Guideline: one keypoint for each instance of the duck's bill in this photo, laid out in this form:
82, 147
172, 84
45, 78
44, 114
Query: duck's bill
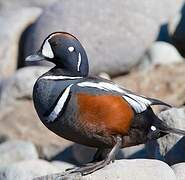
34, 57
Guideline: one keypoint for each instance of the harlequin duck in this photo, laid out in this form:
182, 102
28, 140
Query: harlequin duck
90, 110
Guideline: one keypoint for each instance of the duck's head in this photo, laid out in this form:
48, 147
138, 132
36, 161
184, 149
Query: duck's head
65, 51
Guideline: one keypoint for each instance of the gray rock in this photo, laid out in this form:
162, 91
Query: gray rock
14, 4
170, 148
27, 170
125, 169
179, 170
160, 53
16, 150
12, 24
115, 35
20, 85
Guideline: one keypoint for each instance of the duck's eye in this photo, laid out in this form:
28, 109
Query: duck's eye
71, 49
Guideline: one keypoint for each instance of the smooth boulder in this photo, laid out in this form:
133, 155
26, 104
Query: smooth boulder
123, 169
179, 170
115, 35
27, 170
17, 150
160, 53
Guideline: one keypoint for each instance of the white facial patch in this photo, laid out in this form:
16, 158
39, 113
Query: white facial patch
71, 49
79, 61
153, 128
46, 50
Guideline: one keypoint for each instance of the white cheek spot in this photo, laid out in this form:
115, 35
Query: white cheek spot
71, 49
46, 50
79, 62
153, 128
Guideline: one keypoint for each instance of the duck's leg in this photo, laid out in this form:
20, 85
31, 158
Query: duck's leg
100, 155
91, 167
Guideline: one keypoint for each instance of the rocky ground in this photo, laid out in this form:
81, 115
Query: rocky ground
133, 45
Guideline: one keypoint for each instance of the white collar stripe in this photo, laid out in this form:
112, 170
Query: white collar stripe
60, 77
60, 105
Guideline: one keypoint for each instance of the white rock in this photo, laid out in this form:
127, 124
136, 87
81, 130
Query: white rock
179, 170
140, 169
62, 165
161, 53
27, 170
16, 150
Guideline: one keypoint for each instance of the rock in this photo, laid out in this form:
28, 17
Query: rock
62, 165
170, 148
20, 85
13, 23
25, 117
179, 170
27, 170
125, 169
170, 88
109, 34
143, 169
17, 150
9, 4
160, 53
18, 117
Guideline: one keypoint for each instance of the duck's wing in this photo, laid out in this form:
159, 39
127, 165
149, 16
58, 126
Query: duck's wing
138, 103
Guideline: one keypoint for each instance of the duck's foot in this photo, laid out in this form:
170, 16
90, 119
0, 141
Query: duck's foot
91, 167
88, 168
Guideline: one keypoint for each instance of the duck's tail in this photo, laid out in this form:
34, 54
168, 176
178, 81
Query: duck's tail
158, 102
